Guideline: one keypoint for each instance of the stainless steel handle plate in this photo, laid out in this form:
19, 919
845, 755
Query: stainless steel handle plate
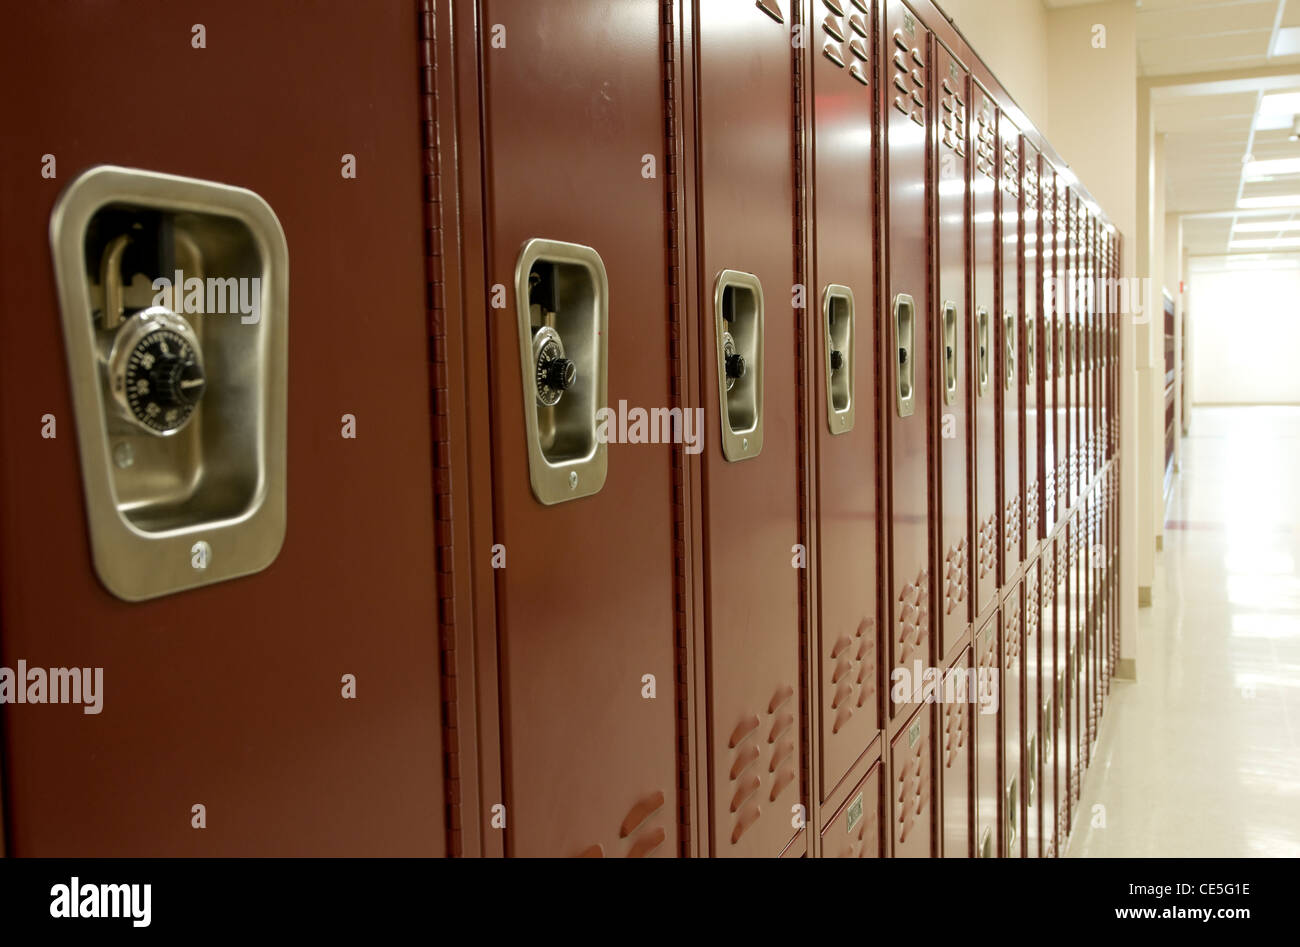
738, 329
174, 297
905, 367
562, 310
838, 319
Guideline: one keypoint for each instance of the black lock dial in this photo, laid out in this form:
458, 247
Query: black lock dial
156, 370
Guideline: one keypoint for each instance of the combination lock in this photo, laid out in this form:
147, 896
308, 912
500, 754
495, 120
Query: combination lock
556, 374
155, 370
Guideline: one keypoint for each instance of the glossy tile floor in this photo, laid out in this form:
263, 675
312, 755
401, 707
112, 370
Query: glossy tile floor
1201, 756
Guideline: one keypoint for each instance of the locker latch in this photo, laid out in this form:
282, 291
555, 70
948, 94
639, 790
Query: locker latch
174, 300
904, 337
1009, 346
982, 356
950, 336
838, 317
1030, 350
738, 328
562, 309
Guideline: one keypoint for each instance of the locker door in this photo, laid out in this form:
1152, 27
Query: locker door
1061, 695
1074, 388
1031, 348
1061, 347
987, 711
951, 360
845, 419
983, 330
854, 831
1048, 376
1010, 350
956, 744
908, 323
585, 601
1047, 701
230, 695
1013, 784
1033, 663
1089, 375
745, 185
911, 804
1075, 679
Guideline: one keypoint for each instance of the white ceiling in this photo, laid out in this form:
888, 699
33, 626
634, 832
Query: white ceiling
1210, 131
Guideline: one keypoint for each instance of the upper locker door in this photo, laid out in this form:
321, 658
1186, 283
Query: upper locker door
1061, 306
584, 527
1046, 275
227, 695
984, 318
748, 340
1074, 281
845, 418
908, 325
1010, 364
1031, 348
952, 338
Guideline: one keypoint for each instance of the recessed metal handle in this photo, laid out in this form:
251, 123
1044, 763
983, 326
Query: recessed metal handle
738, 328
1047, 350
950, 352
562, 310
839, 322
982, 356
904, 337
1009, 349
1030, 351
174, 299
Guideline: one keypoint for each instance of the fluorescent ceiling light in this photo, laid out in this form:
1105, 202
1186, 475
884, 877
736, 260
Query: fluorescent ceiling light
1263, 169
1277, 111
1269, 244
1281, 200
1266, 226
1286, 42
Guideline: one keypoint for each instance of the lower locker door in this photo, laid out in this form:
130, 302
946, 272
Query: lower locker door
854, 832
911, 788
956, 753
987, 714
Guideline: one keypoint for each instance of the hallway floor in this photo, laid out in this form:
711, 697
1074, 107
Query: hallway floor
1201, 756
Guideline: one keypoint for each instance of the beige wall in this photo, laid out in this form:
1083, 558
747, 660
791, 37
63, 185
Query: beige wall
1011, 37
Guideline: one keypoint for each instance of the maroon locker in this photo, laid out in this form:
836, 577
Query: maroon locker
956, 748
845, 412
983, 330
1009, 361
1012, 784
854, 831
1075, 677
581, 620
1061, 304
1044, 275
1075, 277
1061, 695
1032, 660
1031, 352
1047, 672
1086, 347
987, 711
228, 696
912, 785
745, 195
908, 323
950, 362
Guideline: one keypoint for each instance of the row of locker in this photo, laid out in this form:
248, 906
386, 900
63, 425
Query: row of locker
851, 256
704, 388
